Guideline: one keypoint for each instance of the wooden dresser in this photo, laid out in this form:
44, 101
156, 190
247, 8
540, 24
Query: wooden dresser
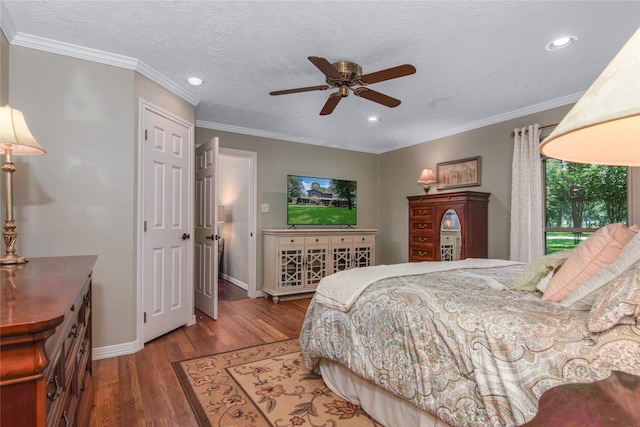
45, 342
426, 213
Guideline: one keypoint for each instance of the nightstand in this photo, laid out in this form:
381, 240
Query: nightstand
612, 402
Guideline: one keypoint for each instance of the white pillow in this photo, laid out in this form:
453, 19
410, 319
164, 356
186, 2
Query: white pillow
583, 297
542, 284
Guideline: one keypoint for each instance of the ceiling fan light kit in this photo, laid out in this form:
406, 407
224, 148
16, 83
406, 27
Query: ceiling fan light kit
344, 75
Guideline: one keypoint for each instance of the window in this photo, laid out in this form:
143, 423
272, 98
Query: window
580, 199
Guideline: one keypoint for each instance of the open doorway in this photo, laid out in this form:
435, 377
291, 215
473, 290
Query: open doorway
237, 171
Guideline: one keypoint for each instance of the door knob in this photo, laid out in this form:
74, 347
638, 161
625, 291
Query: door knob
185, 236
212, 237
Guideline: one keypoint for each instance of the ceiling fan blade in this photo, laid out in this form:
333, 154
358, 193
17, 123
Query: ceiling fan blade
326, 67
388, 74
300, 89
378, 97
331, 104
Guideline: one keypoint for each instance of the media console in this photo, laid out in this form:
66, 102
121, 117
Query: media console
296, 260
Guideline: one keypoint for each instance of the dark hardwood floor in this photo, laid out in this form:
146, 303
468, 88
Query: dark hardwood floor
142, 389
227, 291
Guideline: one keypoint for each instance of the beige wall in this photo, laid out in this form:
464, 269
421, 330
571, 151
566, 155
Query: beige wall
79, 198
278, 158
399, 170
4, 69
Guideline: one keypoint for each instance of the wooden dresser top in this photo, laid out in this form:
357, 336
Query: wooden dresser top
36, 295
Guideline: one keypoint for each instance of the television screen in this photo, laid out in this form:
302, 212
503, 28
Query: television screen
320, 201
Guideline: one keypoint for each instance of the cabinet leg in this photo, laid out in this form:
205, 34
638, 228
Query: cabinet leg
276, 299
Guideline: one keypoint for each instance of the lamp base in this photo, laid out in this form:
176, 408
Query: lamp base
11, 259
426, 188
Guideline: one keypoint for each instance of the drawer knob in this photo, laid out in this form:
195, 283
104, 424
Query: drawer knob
421, 253
422, 239
421, 225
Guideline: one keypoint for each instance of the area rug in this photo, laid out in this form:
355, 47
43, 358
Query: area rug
267, 385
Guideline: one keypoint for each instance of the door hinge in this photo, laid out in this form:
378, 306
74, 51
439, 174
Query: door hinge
146, 134
145, 317
145, 226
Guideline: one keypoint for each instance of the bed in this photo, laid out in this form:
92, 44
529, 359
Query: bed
475, 342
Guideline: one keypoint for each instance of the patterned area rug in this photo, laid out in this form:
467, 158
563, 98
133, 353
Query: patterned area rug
267, 385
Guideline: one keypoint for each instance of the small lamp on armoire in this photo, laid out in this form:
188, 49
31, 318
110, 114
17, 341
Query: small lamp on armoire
15, 140
426, 178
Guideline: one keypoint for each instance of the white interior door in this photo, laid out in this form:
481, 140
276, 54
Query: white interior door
207, 237
166, 251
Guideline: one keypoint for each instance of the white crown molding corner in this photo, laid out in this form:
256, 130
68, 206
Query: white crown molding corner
166, 83
106, 352
102, 57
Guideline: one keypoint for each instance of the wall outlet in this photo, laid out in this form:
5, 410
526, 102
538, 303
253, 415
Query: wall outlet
264, 207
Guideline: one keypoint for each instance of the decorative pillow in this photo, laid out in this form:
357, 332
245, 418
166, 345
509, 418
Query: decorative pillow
585, 295
542, 284
600, 249
537, 269
619, 302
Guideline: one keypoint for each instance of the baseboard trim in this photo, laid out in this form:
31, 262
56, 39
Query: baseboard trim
106, 352
235, 281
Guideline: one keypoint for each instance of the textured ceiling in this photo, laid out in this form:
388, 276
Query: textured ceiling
478, 62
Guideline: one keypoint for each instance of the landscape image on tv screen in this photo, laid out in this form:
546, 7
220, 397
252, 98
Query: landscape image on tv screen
320, 201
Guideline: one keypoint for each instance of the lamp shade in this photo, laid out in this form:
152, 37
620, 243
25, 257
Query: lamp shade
426, 177
603, 127
15, 136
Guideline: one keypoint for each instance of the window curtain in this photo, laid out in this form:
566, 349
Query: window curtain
527, 203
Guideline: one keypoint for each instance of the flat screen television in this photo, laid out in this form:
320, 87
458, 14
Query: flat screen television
321, 201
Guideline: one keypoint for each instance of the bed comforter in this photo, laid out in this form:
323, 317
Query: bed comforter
463, 348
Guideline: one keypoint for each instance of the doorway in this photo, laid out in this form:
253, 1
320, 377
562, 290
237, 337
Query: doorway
165, 259
237, 183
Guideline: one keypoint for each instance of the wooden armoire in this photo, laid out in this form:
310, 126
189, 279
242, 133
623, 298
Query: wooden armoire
427, 231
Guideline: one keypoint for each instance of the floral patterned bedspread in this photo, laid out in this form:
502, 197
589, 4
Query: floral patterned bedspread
464, 351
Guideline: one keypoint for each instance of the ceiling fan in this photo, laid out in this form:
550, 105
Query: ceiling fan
344, 75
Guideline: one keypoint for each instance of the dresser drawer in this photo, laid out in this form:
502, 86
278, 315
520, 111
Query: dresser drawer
421, 212
426, 226
312, 240
417, 240
336, 240
421, 253
291, 240
364, 239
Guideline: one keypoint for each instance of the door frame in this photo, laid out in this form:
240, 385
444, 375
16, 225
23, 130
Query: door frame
143, 106
252, 216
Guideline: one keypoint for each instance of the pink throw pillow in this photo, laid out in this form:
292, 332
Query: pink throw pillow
599, 250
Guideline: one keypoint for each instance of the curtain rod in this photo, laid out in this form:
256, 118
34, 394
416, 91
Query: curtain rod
541, 127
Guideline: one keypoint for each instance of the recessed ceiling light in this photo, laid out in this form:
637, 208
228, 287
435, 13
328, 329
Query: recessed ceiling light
373, 119
561, 43
195, 81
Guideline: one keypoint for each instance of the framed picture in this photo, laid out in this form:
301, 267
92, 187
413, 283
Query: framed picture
459, 173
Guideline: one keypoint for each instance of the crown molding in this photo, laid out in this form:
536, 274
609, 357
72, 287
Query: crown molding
273, 135
102, 57
515, 114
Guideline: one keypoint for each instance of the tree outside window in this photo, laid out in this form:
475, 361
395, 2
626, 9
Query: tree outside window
580, 199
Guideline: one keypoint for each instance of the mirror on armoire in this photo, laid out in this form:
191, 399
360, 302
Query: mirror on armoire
450, 236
